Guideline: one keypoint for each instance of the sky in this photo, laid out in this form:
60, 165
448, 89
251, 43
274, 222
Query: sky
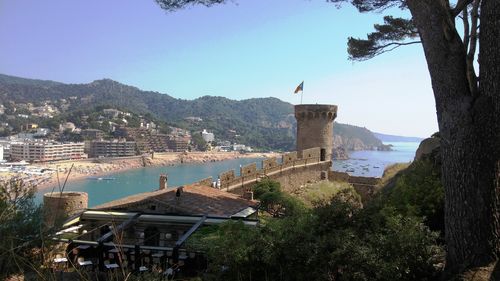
240, 50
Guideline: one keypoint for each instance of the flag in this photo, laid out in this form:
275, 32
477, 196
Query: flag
300, 88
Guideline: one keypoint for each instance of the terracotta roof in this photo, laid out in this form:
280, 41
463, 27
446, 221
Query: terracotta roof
194, 200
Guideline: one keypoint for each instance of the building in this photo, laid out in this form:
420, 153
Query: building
92, 134
29, 126
146, 140
111, 112
111, 148
178, 144
148, 231
43, 151
68, 126
208, 137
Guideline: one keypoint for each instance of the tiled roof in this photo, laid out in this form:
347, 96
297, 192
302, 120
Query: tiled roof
194, 200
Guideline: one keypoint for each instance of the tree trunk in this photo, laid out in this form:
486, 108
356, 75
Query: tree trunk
469, 129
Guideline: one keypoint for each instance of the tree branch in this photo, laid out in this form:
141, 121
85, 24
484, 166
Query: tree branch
471, 72
461, 5
378, 50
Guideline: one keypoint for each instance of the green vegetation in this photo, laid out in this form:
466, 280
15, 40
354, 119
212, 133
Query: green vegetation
20, 227
335, 239
418, 191
363, 134
321, 192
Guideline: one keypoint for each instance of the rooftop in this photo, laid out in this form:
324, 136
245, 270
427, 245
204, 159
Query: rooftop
193, 200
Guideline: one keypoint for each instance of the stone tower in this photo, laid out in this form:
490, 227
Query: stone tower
60, 205
315, 127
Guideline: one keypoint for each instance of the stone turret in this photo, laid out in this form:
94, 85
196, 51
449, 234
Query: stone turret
60, 205
315, 128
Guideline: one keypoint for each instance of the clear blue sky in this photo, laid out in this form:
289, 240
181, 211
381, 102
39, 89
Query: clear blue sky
246, 49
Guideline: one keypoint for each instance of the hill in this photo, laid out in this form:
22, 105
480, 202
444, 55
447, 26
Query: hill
393, 138
266, 123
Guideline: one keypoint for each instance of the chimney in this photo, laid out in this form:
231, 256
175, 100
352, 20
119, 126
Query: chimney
248, 194
163, 181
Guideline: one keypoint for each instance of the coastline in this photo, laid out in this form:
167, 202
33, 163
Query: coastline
83, 169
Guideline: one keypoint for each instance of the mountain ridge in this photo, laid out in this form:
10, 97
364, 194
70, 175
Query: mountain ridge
267, 123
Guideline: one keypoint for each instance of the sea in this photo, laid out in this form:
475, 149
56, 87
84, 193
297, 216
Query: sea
361, 163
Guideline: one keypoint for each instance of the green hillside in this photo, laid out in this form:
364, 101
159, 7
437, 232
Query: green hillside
266, 123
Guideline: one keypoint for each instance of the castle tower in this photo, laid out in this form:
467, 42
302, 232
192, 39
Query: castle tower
61, 205
315, 127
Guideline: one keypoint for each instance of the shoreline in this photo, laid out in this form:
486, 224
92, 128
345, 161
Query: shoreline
83, 169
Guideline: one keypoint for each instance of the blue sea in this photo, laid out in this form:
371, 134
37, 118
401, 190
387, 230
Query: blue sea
362, 163
369, 163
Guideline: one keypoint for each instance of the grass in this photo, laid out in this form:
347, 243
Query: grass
320, 191
390, 172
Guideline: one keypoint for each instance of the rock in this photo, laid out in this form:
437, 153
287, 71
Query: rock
426, 147
339, 153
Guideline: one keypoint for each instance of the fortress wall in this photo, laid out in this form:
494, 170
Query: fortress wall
338, 176
311, 153
205, 182
364, 186
249, 170
226, 178
270, 165
292, 178
287, 159
364, 180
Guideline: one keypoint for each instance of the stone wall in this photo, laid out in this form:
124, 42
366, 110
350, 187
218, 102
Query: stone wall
60, 205
226, 178
364, 186
270, 165
205, 182
249, 170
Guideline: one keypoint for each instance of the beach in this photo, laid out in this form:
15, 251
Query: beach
57, 173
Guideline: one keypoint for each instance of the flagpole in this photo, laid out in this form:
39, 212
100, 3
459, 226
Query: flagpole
301, 95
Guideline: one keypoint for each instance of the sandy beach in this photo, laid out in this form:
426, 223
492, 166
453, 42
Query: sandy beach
102, 167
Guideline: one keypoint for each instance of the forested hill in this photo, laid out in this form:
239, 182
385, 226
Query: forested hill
266, 123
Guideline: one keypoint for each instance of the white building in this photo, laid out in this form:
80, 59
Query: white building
208, 137
42, 151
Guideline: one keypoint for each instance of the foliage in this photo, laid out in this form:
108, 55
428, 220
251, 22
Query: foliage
319, 192
199, 142
274, 201
418, 191
361, 133
264, 186
336, 240
20, 226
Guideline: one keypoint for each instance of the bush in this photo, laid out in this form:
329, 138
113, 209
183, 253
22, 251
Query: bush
20, 227
334, 241
418, 191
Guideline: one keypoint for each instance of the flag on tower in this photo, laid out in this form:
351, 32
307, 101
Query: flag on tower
300, 88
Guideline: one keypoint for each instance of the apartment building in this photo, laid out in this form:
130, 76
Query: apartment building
43, 151
112, 148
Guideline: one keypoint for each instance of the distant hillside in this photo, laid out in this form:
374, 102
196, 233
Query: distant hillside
266, 123
393, 138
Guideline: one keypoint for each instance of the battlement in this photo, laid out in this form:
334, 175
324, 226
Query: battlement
271, 165
315, 111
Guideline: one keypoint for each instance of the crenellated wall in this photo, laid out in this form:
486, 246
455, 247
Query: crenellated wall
292, 171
